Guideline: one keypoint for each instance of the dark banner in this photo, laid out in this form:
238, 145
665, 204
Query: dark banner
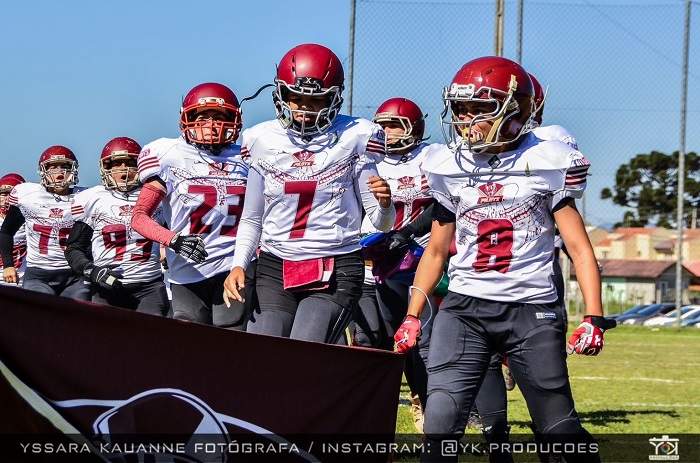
89, 382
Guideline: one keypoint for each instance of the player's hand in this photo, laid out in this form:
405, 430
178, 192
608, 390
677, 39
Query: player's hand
381, 190
106, 277
587, 339
408, 334
190, 247
234, 284
10, 275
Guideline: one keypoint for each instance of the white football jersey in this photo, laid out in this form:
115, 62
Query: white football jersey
409, 188
204, 196
48, 222
114, 242
306, 195
19, 252
503, 206
555, 132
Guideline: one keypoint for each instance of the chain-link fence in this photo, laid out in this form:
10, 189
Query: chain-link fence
614, 70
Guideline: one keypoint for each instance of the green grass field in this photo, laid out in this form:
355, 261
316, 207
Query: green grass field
646, 381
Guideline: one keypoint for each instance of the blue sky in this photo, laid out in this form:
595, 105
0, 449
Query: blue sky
80, 73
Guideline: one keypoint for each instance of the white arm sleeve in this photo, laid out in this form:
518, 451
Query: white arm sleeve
250, 225
382, 219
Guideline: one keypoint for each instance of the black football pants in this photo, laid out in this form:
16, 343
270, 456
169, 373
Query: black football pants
465, 333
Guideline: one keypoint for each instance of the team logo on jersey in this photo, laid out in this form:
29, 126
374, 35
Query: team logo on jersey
490, 193
218, 169
56, 213
303, 159
126, 210
144, 153
406, 182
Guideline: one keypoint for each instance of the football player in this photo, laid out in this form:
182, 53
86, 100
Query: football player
200, 178
404, 125
122, 265
19, 249
491, 400
500, 192
313, 172
45, 208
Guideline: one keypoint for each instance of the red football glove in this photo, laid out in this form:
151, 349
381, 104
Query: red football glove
588, 337
407, 335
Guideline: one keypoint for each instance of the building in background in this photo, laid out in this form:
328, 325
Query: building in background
639, 267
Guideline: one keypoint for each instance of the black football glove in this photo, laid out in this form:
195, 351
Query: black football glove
400, 239
190, 247
103, 276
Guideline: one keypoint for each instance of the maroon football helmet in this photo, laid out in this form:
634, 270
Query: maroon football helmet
501, 85
313, 70
540, 96
210, 134
116, 150
406, 113
7, 183
58, 155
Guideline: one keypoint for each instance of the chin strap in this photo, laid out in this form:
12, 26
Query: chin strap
497, 123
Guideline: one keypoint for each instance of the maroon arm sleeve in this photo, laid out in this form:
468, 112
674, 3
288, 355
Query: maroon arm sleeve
141, 221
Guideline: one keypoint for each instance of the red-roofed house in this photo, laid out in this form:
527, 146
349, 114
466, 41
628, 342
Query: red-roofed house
639, 265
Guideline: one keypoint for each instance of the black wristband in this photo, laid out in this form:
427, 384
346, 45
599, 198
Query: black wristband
601, 322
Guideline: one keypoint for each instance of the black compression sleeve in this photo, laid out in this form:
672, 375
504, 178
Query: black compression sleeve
442, 214
78, 247
13, 221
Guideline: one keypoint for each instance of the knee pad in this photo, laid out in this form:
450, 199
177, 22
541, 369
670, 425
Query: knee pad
183, 315
360, 338
441, 415
568, 428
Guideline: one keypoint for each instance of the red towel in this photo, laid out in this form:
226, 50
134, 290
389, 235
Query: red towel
307, 275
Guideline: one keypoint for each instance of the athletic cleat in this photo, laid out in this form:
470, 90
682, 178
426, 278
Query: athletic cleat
508, 378
416, 412
474, 421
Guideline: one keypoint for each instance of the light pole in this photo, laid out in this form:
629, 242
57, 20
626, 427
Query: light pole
498, 39
681, 169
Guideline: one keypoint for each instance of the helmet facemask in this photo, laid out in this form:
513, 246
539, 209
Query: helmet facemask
306, 86
48, 176
401, 142
505, 116
112, 175
5, 198
211, 133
